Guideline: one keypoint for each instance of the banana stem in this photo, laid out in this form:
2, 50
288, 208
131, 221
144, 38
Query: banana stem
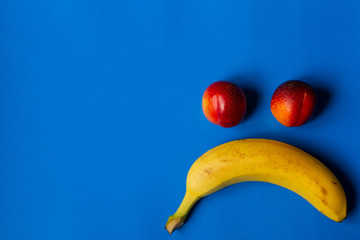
177, 220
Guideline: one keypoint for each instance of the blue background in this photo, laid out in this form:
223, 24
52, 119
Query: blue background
100, 114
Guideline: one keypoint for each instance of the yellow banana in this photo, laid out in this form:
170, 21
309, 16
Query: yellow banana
266, 161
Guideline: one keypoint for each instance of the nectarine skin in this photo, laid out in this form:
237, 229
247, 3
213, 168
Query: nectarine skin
293, 103
224, 104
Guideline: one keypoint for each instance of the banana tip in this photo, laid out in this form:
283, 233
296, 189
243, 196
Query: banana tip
173, 223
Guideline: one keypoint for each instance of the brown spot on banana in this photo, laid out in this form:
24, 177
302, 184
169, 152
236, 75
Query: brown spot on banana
208, 171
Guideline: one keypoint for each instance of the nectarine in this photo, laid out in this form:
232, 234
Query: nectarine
224, 104
293, 103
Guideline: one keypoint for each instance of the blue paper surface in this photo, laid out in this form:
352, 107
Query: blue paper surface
101, 118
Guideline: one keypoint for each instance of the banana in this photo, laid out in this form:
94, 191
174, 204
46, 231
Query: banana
265, 161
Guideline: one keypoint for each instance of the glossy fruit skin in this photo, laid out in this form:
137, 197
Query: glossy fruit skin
293, 103
224, 104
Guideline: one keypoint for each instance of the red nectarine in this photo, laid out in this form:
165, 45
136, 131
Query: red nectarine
224, 104
293, 103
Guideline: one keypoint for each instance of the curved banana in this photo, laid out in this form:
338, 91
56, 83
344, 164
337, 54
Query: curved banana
266, 161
